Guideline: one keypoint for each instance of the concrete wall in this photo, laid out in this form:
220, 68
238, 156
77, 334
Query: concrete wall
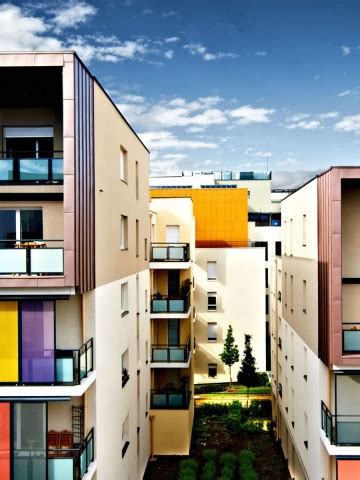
240, 288
69, 329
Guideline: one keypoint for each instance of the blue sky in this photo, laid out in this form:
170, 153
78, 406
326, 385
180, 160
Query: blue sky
216, 85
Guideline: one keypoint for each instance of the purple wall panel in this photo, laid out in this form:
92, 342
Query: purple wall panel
38, 341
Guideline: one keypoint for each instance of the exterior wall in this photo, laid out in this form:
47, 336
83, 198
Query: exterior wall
215, 210
240, 288
114, 197
69, 328
259, 198
114, 335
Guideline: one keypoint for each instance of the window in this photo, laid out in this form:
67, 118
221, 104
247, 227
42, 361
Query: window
291, 293
146, 300
137, 238
304, 296
146, 404
124, 232
211, 270
125, 435
212, 370
212, 331
123, 164
146, 248
211, 301
147, 352
266, 277
137, 179
304, 230
267, 304
172, 234
20, 225
124, 299
125, 367
278, 249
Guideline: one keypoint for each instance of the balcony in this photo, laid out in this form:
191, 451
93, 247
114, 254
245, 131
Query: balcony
351, 338
162, 304
170, 256
165, 356
72, 366
340, 429
170, 399
18, 170
70, 463
31, 257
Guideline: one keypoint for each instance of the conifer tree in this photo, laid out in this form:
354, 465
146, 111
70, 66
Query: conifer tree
230, 354
247, 375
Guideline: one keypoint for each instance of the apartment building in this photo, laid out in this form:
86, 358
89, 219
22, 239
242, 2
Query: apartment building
74, 277
172, 325
315, 329
229, 273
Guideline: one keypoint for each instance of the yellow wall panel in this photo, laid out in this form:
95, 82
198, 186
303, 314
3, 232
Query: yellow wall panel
9, 342
221, 215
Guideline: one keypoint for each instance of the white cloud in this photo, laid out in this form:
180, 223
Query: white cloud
169, 14
172, 39
324, 116
304, 125
198, 49
175, 156
169, 54
164, 139
349, 123
73, 14
133, 98
263, 154
345, 50
20, 31
248, 114
352, 91
288, 161
261, 54
298, 117
195, 129
147, 11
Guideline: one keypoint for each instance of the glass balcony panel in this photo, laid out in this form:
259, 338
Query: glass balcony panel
47, 260
89, 359
12, 261
57, 169
61, 469
160, 354
351, 340
159, 400
83, 365
176, 253
176, 399
159, 253
65, 370
90, 451
83, 465
348, 430
34, 169
159, 306
177, 355
6, 170
176, 305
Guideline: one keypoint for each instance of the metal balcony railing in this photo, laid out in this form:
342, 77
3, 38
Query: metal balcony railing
170, 353
173, 304
30, 168
351, 337
72, 463
170, 252
31, 257
74, 365
340, 429
170, 399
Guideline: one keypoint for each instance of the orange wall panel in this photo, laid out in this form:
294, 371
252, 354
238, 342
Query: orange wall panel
221, 215
5, 441
348, 469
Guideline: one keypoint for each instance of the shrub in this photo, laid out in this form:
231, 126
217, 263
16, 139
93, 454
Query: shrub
260, 408
211, 388
228, 459
263, 379
250, 476
213, 409
187, 474
228, 470
246, 456
209, 471
189, 463
209, 455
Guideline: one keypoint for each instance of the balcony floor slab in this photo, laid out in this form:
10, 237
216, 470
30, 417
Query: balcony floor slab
171, 364
170, 265
171, 315
336, 449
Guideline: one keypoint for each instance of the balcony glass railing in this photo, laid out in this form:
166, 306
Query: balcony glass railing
71, 463
170, 252
340, 429
18, 169
31, 257
351, 337
164, 304
169, 354
170, 399
74, 365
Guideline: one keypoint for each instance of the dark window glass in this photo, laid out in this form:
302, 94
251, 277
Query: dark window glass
278, 249
267, 304
31, 224
212, 369
266, 277
276, 220
7, 227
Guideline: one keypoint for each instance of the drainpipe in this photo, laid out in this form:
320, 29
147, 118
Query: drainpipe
152, 418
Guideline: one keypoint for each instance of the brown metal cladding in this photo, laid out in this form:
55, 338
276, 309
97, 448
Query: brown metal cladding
84, 179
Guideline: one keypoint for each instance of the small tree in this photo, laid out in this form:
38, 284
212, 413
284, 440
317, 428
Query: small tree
230, 354
247, 375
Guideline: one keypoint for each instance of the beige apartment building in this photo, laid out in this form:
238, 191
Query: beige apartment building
74, 277
315, 329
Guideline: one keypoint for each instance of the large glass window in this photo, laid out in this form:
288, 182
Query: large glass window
38, 342
7, 227
9, 371
29, 441
20, 225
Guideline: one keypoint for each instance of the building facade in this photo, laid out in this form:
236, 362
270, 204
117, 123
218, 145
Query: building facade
315, 342
74, 277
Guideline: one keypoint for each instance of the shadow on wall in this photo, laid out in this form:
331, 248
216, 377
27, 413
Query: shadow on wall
201, 299
203, 357
219, 257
